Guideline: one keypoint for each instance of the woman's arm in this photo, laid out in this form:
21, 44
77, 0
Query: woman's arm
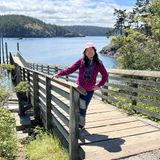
69, 70
104, 74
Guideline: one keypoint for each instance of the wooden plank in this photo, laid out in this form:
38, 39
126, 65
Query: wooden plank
138, 99
60, 115
132, 89
60, 103
60, 127
137, 81
140, 73
147, 112
103, 116
60, 91
42, 96
41, 80
43, 90
115, 127
113, 121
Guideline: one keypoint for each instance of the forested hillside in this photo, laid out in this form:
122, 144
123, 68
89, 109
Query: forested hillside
89, 30
24, 26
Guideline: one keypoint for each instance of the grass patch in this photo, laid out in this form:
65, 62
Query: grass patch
46, 146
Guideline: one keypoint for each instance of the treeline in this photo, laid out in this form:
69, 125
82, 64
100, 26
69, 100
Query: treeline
89, 30
24, 26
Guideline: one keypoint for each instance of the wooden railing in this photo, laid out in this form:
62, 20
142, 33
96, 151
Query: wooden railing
134, 90
53, 99
56, 103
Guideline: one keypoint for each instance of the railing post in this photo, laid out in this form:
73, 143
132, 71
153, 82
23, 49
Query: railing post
23, 74
48, 104
17, 47
3, 51
48, 69
6, 48
105, 94
42, 68
18, 74
28, 79
67, 78
73, 125
56, 69
35, 97
133, 101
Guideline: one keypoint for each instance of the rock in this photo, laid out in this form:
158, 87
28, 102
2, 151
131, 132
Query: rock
111, 50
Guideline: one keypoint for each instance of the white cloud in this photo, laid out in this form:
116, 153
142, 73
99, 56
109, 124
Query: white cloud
65, 12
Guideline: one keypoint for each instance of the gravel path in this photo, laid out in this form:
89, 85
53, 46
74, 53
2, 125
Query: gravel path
152, 155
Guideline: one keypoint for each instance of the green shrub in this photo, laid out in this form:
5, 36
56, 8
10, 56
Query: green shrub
8, 141
4, 94
22, 87
7, 67
46, 147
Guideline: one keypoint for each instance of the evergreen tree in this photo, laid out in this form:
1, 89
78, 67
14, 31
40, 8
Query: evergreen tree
140, 46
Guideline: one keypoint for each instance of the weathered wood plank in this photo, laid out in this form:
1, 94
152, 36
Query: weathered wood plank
60, 91
60, 127
147, 112
132, 89
113, 121
60, 103
140, 73
137, 81
63, 118
116, 127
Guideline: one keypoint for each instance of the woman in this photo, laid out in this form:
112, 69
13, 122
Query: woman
88, 66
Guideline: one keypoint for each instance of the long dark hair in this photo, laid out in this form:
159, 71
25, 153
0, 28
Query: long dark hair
95, 58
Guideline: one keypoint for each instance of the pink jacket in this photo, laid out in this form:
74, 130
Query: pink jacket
88, 85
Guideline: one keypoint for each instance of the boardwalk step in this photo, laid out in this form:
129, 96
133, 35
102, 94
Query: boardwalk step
22, 122
22, 135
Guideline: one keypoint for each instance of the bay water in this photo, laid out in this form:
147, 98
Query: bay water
59, 50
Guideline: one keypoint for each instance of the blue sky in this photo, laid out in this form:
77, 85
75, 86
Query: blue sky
68, 12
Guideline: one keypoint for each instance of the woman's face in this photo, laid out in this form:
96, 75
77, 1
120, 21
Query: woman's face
90, 53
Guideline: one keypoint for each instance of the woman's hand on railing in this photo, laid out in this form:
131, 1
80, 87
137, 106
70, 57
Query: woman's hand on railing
55, 76
96, 88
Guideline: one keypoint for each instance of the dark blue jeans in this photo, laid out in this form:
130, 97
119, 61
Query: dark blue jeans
87, 99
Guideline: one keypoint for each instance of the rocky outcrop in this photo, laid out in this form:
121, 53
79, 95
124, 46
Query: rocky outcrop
111, 50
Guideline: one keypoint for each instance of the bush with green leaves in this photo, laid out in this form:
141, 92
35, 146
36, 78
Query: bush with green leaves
8, 141
7, 67
4, 94
22, 87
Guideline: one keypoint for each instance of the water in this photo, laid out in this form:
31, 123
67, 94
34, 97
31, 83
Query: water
63, 51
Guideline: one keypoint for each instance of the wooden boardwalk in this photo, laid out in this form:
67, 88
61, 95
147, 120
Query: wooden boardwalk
112, 134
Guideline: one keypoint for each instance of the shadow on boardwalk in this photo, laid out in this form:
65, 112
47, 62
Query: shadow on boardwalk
100, 140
